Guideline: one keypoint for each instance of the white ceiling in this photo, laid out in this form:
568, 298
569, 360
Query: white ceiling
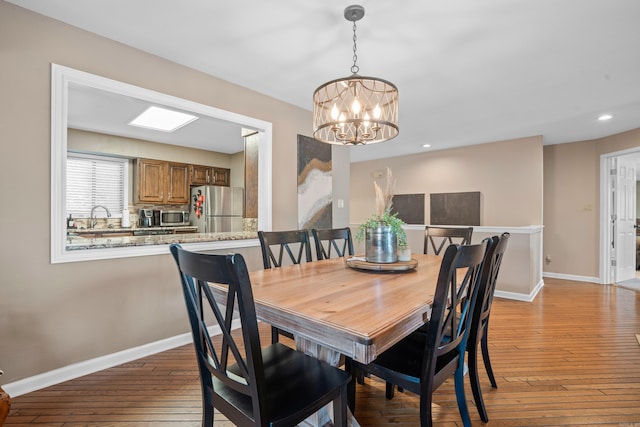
468, 71
106, 112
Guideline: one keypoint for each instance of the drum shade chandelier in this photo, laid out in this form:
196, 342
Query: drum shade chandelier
355, 110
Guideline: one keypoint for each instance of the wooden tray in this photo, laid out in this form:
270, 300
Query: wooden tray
361, 264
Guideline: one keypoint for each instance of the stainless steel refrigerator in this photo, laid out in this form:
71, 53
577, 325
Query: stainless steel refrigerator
216, 209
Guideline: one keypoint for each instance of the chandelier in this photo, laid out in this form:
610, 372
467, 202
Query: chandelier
355, 110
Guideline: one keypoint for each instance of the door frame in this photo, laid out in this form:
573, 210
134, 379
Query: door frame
607, 208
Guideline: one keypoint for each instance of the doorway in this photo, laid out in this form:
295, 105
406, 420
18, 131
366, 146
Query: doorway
618, 217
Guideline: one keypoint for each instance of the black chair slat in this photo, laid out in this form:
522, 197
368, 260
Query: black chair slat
244, 381
332, 237
438, 237
282, 240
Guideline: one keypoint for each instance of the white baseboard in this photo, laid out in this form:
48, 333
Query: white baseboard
521, 297
572, 277
90, 366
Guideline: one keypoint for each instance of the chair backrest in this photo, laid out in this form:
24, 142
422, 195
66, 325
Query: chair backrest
285, 241
197, 270
338, 239
487, 285
452, 306
439, 238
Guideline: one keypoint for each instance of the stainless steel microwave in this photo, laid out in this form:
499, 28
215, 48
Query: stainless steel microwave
170, 218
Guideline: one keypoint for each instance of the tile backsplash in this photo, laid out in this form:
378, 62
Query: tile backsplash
249, 224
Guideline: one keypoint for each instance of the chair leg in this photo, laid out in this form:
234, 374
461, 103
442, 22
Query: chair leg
484, 343
351, 386
274, 335
475, 382
207, 397
389, 390
460, 397
340, 409
207, 414
426, 415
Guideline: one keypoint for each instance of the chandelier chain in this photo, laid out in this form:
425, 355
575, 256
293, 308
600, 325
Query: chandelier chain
354, 67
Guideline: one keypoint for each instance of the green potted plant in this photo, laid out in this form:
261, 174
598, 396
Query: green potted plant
382, 231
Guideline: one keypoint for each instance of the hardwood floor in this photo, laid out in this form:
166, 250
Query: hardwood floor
570, 358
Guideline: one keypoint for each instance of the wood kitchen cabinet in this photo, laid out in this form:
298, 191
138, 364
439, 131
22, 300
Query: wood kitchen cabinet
221, 176
209, 175
159, 181
177, 183
200, 175
150, 180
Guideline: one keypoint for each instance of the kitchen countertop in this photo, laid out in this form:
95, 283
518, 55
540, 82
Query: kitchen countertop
80, 243
73, 231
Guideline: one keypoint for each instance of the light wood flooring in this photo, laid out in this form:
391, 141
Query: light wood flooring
569, 358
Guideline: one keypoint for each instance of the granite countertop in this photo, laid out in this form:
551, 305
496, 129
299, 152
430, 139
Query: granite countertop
80, 243
73, 231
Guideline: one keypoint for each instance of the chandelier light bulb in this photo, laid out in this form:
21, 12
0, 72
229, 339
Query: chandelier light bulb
355, 107
334, 112
377, 112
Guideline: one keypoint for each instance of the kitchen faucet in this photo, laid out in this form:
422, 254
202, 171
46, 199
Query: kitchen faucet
94, 221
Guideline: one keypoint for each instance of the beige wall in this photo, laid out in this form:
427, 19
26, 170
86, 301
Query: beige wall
572, 202
508, 175
571, 208
236, 164
130, 147
54, 315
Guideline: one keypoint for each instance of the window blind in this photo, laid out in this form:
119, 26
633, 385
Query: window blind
96, 180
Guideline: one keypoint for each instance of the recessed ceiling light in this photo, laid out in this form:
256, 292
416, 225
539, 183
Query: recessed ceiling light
426, 145
604, 117
161, 119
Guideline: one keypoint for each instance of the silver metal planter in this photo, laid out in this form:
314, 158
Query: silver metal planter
381, 244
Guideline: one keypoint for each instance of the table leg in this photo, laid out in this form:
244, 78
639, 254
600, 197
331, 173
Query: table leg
324, 415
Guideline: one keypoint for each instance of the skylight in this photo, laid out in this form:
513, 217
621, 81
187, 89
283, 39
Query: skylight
161, 119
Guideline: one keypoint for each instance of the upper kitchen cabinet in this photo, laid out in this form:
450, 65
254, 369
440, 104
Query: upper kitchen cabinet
208, 175
221, 176
200, 175
177, 183
162, 182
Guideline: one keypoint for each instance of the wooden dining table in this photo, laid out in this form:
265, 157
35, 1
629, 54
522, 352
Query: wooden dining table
354, 312
333, 309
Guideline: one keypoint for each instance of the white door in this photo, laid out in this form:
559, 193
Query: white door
624, 246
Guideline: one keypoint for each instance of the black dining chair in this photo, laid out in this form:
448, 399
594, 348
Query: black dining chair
480, 320
250, 385
337, 239
295, 243
421, 362
438, 238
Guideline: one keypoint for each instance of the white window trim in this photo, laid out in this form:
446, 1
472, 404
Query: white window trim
61, 77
